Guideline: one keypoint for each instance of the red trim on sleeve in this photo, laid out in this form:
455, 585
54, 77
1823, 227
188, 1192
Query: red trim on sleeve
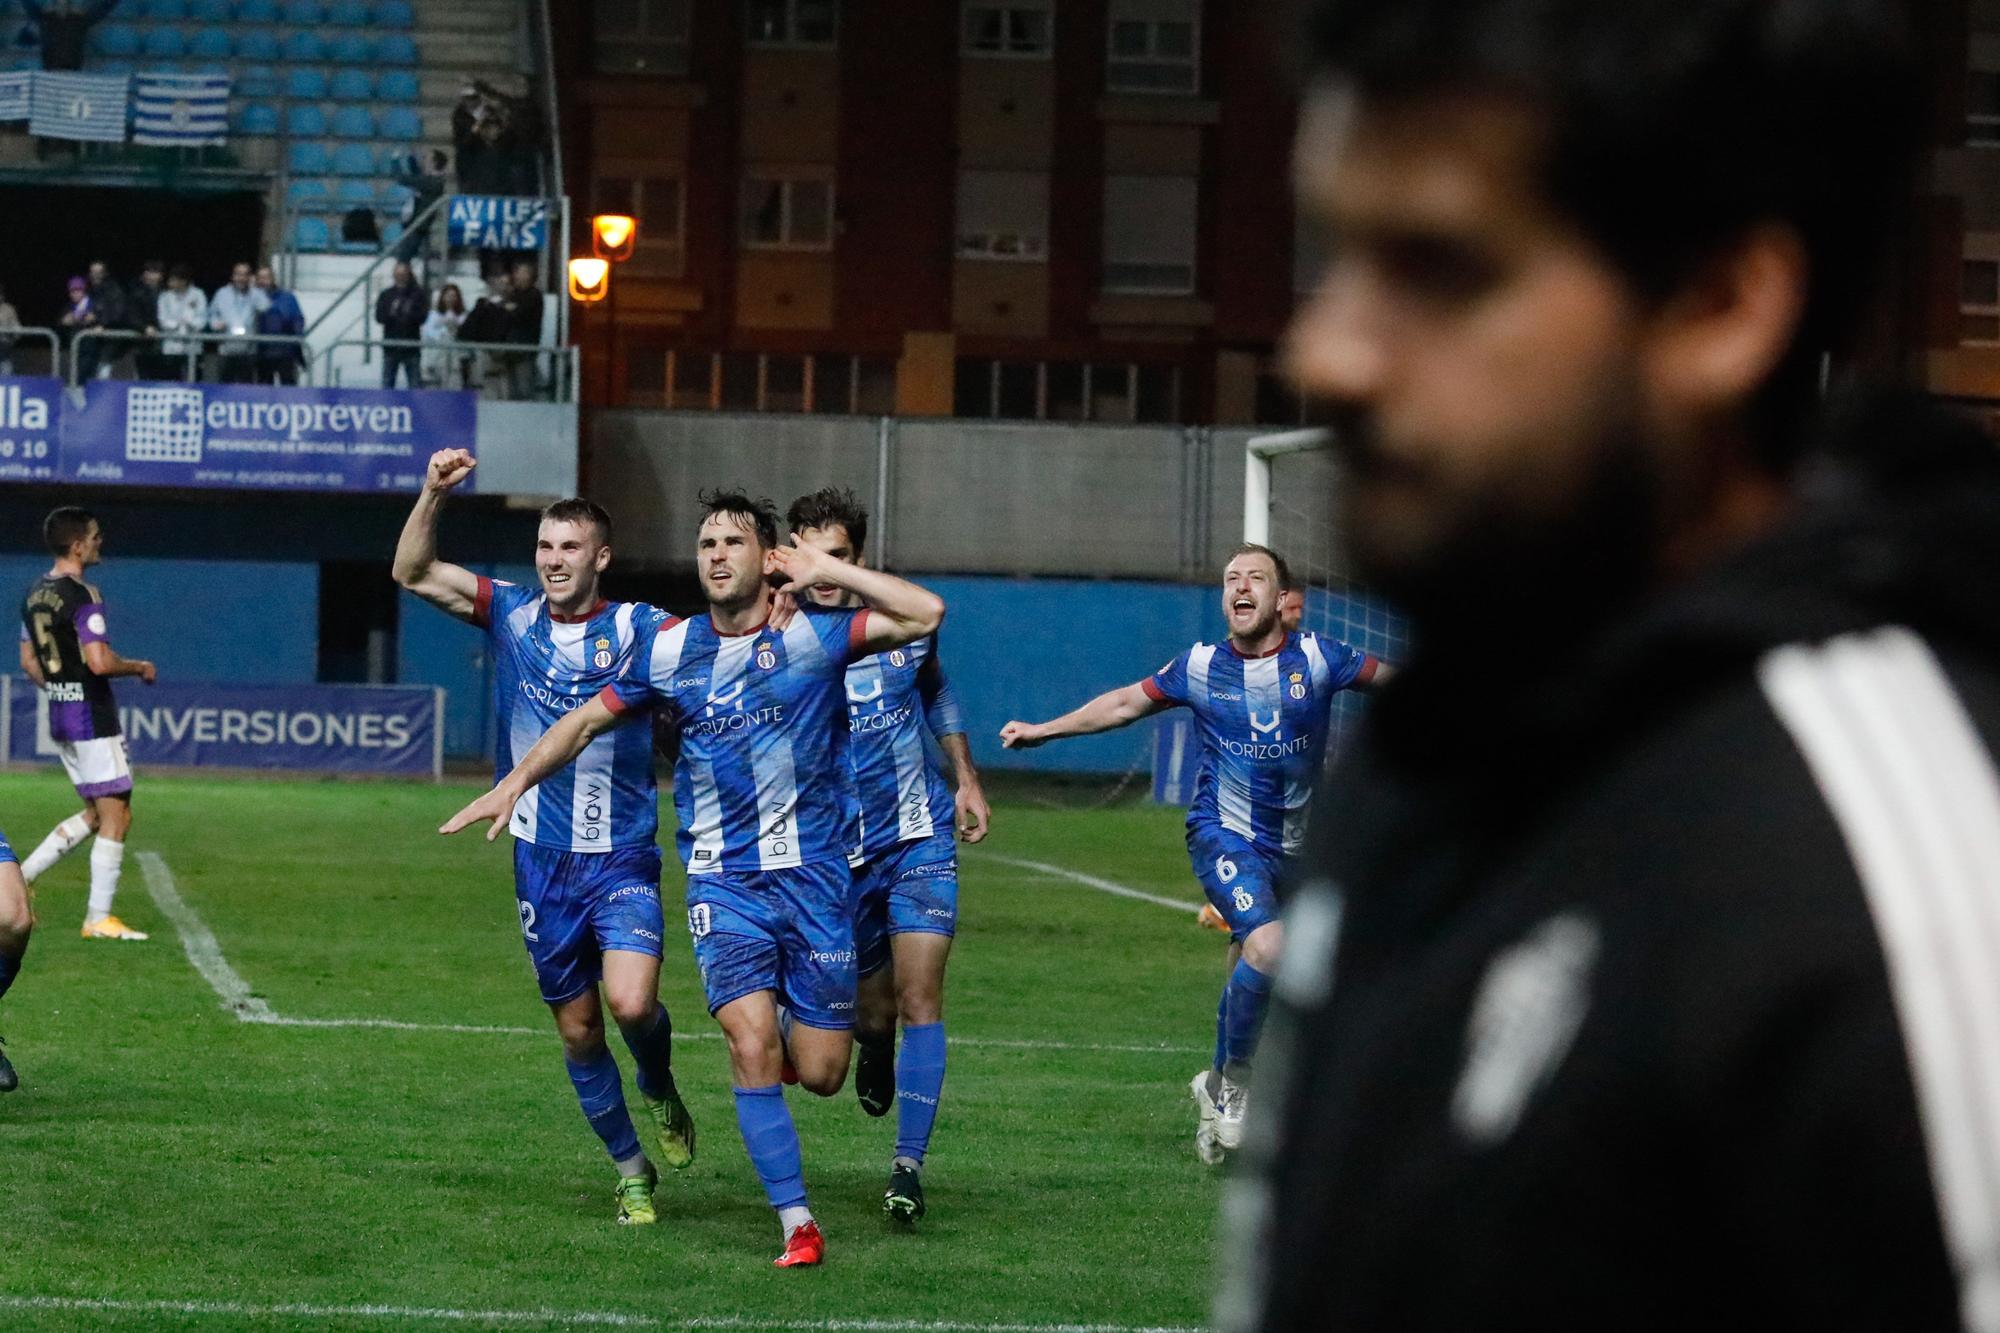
609, 698
482, 603
857, 634
1369, 662
1154, 692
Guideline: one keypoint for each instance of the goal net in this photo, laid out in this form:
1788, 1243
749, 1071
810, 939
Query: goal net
1288, 489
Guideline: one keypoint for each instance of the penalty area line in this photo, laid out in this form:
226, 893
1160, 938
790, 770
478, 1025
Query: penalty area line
557, 1318
1089, 881
204, 951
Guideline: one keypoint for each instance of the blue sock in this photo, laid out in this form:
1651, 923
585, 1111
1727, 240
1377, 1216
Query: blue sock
1244, 1001
652, 1045
1221, 1028
773, 1144
602, 1096
919, 1084
10, 967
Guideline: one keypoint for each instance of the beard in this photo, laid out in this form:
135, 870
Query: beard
1497, 562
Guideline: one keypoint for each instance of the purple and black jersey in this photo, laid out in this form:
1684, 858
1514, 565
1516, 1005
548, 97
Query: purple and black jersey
59, 616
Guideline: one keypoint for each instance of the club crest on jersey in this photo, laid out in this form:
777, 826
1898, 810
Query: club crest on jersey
898, 658
1243, 900
1298, 691
602, 657
766, 658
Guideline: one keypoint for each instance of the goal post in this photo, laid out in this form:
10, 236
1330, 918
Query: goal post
1257, 456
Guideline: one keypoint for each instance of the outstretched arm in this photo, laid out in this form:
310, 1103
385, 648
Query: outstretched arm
899, 611
555, 751
452, 589
1107, 712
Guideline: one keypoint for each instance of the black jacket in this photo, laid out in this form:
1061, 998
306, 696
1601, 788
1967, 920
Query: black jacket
1609, 1038
401, 311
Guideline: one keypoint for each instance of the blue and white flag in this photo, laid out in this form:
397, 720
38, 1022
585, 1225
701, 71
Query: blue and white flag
16, 94
180, 110
79, 106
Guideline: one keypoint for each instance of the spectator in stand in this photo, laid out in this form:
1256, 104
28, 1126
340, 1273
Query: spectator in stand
142, 315
278, 363
444, 364
107, 302
62, 26
488, 324
524, 326
234, 310
10, 320
77, 316
425, 179
181, 309
401, 310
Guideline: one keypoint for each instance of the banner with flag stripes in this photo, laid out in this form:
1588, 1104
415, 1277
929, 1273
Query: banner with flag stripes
180, 110
16, 94
89, 107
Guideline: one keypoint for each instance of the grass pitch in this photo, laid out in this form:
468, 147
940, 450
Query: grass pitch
168, 1165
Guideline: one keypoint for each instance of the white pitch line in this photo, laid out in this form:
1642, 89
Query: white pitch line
205, 952
559, 1318
1089, 881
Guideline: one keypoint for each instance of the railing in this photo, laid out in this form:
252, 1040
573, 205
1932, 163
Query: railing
36, 333
555, 185
189, 349
556, 375
416, 225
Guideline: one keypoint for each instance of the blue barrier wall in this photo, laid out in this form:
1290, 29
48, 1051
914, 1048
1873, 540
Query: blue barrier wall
201, 620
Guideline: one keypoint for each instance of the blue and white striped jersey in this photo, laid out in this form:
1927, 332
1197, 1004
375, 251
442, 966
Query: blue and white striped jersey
1263, 726
544, 667
892, 698
762, 782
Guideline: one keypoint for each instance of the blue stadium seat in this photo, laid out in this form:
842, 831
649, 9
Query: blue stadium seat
257, 11
355, 193
164, 44
305, 82
394, 14
395, 49
308, 194
392, 231
348, 13
162, 11
309, 159
211, 44
116, 39
311, 234
260, 45
110, 67
402, 124
398, 85
256, 81
305, 120
209, 67
350, 48
354, 159
305, 48
257, 118
210, 11
353, 122
392, 198
352, 85
304, 13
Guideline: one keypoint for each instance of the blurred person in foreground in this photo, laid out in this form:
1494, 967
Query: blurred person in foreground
1656, 986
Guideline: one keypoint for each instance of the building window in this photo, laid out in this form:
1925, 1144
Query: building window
1155, 47
1021, 29
794, 22
832, 383
787, 213
1066, 391
1982, 107
1149, 234
1979, 301
641, 37
1003, 215
656, 202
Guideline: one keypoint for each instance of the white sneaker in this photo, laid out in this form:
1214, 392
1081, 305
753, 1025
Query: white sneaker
1207, 1143
1231, 1099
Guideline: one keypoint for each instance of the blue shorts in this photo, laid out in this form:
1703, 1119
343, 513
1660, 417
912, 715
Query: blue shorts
6, 851
789, 931
576, 905
911, 888
1239, 877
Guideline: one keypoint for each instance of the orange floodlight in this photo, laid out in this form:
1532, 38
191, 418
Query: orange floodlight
612, 235
589, 280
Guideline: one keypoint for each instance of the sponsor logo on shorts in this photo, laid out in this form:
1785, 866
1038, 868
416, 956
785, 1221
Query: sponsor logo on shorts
932, 870
643, 890
1244, 902
832, 955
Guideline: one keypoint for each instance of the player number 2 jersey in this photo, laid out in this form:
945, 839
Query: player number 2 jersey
1263, 726
59, 616
892, 699
762, 782
544, 667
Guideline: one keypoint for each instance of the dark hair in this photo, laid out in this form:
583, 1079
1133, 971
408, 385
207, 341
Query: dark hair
1285, 583
829, 505
185, 272
758, 513
65, 527
153, 266
451, 287
1673, 127
579, 510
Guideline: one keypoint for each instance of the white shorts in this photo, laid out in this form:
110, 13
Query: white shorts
96, 768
